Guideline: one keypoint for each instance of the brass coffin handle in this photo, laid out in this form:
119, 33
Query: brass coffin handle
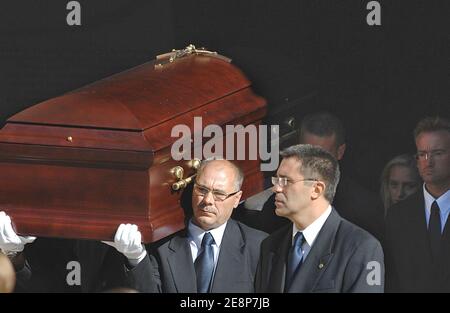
290, 122
178, 173
174, 55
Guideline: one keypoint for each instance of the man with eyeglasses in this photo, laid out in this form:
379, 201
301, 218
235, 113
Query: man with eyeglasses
417, 229
214, 253
318, 251
352, 201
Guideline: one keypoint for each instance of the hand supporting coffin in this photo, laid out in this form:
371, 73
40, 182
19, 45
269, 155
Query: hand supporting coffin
10, 243
128, 241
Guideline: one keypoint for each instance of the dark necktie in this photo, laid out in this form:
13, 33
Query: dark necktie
434, 230
204, 264
294, 259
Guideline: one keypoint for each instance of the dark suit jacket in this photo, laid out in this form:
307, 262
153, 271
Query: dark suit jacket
46, 266
409, 267
101, 267
235, 270
337, 261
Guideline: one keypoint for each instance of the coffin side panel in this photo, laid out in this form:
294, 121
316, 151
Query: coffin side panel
42, 198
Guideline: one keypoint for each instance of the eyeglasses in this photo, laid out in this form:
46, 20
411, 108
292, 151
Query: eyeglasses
283, 181
426, 155
217, 195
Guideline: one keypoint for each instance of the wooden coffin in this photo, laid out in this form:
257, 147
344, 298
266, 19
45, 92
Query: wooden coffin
78, 165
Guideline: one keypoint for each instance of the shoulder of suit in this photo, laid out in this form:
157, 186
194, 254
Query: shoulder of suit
249, 232
278, 236
165, 242
353, 233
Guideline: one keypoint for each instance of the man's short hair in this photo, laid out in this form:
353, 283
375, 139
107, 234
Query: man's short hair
316, 163
432, 124
239, 174
323, 124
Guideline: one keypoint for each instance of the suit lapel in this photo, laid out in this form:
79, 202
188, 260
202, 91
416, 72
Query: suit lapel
277, 258
418, 232
318, 258
181, 265
231, 263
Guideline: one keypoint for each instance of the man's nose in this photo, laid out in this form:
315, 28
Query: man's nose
276, 188
429, 158
402, 192
209, 198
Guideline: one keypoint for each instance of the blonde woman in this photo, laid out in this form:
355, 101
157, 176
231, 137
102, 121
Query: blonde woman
399, 180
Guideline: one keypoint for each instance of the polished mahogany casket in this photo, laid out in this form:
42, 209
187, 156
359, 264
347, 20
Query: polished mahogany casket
78, 165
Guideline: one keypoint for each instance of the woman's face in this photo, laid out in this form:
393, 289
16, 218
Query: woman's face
402, 183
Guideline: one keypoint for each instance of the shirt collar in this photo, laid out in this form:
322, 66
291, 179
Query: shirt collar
443, 201
196, 234
310, 233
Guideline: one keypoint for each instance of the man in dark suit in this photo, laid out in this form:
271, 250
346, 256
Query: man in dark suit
417, 228
319, 251
352, 201
214, 253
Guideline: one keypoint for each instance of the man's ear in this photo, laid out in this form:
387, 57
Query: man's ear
341, 151
237, 199
318, 190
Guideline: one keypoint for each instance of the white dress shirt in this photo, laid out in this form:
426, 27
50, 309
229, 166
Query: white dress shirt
310, 233
443, 203
196, 236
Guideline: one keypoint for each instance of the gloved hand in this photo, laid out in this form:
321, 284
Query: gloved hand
10, 242
128, 242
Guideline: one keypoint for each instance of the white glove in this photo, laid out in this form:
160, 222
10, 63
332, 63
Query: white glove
128, 242
10, 243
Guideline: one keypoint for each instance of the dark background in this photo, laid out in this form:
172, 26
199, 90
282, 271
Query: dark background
380, 80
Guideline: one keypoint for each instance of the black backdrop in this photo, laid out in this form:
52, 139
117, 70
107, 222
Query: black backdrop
378, 79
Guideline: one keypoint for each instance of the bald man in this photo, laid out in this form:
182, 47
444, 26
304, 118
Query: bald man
213, 253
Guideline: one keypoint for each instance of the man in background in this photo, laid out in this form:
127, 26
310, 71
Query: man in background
352, 201
417, 229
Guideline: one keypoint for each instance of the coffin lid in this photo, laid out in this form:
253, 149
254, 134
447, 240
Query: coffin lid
140, 98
